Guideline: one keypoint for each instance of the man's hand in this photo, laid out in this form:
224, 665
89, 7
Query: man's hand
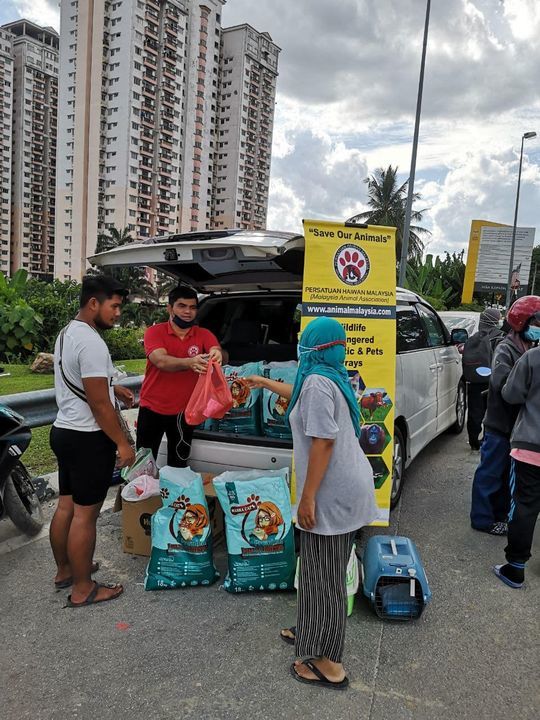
125, 455
199, 364
124, 395
306, 513
216, 355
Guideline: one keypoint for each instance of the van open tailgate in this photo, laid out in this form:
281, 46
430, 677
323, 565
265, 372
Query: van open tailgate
218, 260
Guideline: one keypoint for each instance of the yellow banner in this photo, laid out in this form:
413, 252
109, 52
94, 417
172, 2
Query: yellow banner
350, 275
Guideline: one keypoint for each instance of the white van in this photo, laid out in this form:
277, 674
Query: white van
252, 282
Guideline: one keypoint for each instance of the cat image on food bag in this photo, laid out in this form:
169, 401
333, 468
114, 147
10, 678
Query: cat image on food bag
192, 525
268, 522
281, 405
240, 393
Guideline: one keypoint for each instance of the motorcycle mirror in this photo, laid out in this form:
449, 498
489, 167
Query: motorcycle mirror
483, 371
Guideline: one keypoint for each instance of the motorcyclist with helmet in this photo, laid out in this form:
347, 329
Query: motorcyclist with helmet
491, 485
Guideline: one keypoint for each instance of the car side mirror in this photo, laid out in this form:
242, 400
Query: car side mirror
458, 336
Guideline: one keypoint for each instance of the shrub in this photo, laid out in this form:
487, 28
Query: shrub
125, 343
19, 323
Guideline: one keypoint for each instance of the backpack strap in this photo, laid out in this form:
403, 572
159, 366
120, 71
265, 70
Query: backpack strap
77, 391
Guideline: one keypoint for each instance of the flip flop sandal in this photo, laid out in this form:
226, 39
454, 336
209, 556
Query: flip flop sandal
497, 570
322, 681
91, 599
68, 582
285, 638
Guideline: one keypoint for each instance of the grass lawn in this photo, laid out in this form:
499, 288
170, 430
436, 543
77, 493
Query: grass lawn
22, 380
39, 458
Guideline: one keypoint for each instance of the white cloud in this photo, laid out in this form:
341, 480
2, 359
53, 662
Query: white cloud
484, 187
42, 12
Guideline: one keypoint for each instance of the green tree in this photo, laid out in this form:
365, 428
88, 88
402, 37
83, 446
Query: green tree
387, 200
439, 280
58, 303
534, 277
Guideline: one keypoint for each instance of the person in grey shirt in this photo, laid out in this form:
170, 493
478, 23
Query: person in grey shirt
337, 497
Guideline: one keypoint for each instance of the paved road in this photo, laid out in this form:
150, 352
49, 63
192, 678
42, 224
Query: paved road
205, 654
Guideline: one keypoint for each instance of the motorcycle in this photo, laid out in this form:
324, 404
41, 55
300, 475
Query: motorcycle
18, 497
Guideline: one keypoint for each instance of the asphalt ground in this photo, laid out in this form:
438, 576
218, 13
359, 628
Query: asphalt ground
202, 653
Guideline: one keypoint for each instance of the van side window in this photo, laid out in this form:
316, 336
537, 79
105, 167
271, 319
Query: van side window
410, 332
433, 327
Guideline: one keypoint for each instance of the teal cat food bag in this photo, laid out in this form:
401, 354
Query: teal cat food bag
274, 406
244, 416
258, 528
181, 534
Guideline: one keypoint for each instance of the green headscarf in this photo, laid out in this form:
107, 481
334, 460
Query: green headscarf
328, 362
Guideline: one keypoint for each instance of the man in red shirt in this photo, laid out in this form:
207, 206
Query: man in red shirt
176, 351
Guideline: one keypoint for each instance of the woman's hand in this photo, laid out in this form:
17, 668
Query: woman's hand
306, 513
255, 382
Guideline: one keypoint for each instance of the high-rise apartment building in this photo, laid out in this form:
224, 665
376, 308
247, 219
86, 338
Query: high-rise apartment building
247, 90
33, 152
6, 129
138, 99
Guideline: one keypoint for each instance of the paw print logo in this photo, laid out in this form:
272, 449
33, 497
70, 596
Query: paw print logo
351, 264
164, 493
181, 502
254, 499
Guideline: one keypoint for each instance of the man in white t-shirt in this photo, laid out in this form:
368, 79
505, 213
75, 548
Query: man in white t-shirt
86, 438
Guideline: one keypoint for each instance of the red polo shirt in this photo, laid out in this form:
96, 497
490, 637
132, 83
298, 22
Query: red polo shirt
168, 393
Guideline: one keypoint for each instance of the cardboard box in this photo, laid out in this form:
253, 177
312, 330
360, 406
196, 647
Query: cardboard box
136, 519
136, 525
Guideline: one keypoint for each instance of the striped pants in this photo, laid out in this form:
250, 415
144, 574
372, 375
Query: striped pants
322, 595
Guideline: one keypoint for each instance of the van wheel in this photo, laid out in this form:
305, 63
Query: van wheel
461, 409
398, 468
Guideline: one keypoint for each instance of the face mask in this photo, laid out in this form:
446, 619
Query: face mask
182, 324
532, 334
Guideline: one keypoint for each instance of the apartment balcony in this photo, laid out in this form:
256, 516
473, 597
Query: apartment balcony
149, 61
150, 76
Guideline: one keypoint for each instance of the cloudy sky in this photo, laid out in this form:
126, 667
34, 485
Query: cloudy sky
347, 97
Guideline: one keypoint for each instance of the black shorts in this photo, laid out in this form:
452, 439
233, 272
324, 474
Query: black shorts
86, 463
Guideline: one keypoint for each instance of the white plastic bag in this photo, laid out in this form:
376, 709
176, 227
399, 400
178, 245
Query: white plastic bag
142, 487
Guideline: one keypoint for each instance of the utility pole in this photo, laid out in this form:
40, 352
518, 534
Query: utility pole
408, 207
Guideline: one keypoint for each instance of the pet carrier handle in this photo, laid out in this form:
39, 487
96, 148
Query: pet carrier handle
393, 546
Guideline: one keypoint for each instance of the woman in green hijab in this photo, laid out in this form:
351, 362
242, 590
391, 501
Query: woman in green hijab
334, 482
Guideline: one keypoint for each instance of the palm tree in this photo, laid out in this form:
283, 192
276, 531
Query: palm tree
387, 203
133, 278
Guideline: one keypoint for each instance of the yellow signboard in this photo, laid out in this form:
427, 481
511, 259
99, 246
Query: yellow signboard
350, 275
472, 257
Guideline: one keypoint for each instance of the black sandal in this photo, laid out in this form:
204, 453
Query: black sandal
68, 582
286, 638
91, 599
322, 681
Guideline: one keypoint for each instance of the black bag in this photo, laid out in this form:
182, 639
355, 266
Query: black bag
477, 353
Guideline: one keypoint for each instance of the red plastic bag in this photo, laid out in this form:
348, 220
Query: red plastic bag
211, 397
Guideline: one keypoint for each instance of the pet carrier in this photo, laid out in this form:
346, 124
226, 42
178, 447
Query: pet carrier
393, 578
